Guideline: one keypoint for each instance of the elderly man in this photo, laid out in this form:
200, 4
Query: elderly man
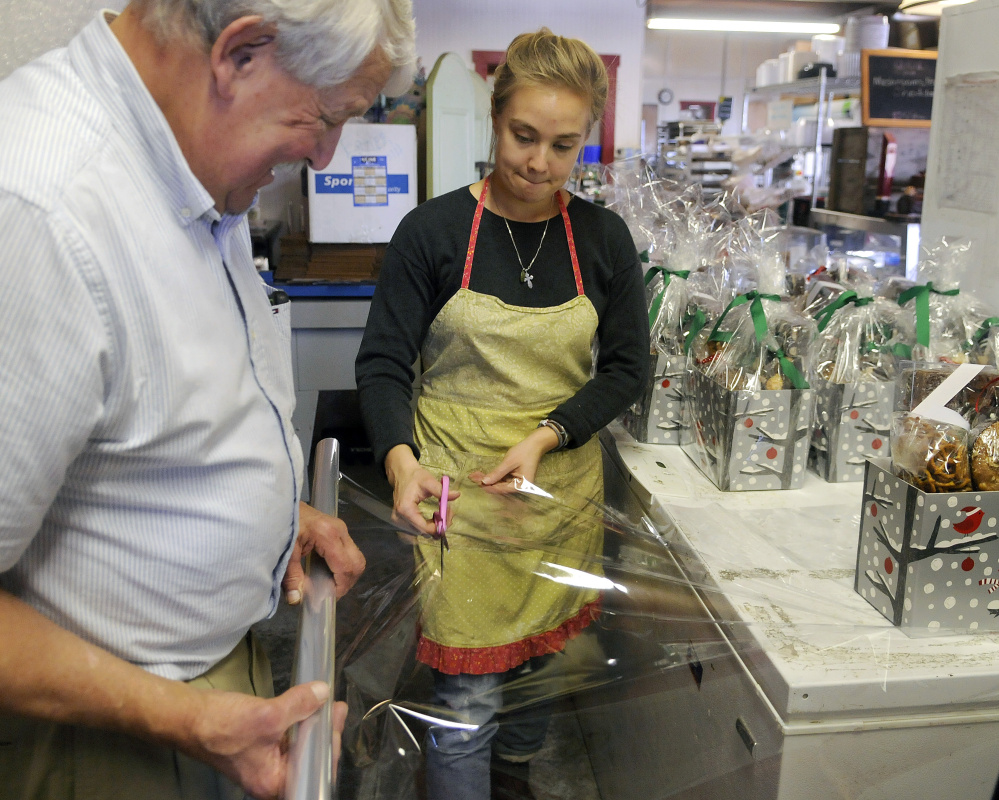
150, 479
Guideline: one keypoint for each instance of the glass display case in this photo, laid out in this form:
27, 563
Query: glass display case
892, 246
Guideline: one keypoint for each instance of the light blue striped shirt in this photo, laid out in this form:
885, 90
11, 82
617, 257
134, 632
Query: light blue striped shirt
149, 474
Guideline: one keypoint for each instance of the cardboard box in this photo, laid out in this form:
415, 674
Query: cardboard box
744, 440
852, 424
368, 187
928, 562
655, 418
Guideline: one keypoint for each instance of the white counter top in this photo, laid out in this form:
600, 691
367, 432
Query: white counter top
784, 563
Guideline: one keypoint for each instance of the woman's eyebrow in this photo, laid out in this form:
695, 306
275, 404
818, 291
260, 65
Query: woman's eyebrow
530, 128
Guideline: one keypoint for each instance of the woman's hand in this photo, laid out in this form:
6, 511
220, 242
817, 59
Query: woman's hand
520, 461
411, 485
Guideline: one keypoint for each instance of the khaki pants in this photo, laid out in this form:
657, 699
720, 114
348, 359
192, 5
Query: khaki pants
45, 761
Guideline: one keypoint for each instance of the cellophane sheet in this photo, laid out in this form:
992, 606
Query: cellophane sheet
637, 701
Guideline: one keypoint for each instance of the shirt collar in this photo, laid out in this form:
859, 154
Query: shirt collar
113, 80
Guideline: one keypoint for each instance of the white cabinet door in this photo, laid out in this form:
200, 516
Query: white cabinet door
453, 129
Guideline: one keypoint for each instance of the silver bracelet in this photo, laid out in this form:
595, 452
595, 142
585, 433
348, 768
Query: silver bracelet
563, 437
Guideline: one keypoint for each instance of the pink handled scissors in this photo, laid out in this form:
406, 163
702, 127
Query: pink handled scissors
440, 516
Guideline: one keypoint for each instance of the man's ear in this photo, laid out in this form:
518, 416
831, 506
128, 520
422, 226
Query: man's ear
238, 49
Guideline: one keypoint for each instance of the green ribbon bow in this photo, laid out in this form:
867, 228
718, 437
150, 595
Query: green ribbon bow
657, 302
922, 295
760, 328
695, 322
825, 315
756, 312
797, 381
981, 333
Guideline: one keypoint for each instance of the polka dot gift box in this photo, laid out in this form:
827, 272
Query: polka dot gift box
852, 424
746, 440
655, 416
929, 562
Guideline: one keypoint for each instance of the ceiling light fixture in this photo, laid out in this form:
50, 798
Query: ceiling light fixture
928, 8
740, 26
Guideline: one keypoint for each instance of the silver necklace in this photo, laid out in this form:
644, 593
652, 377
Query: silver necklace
525, 272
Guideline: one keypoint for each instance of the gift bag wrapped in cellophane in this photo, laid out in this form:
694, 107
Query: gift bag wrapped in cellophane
855, 358
748, 406
687, 241
951, 326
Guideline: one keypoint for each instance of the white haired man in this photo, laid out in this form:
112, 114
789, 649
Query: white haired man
151, 478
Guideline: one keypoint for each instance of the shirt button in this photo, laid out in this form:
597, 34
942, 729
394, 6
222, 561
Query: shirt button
185, 213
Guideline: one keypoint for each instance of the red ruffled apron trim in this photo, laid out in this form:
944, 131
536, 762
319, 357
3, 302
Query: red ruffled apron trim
487, 660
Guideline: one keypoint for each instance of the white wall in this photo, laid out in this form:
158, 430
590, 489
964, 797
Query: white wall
611, 27
29, 28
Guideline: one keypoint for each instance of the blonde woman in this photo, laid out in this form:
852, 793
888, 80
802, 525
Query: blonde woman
501, 287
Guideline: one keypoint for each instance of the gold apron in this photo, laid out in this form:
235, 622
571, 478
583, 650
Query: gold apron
492, 371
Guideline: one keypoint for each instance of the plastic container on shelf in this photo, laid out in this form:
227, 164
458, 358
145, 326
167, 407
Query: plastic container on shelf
861, 32
865, 32
768, 73
797, 60
828, 48
784, 67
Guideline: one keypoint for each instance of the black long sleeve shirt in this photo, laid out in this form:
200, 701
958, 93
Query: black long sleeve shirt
423, 268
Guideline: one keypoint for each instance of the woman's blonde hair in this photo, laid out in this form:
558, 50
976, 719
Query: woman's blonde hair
544, 59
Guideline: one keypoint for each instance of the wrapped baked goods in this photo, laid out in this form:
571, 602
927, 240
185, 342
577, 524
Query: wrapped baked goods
747, 406
855, 359
655, 416
758, 341
946, 321
931, 455
985, 457
861, 339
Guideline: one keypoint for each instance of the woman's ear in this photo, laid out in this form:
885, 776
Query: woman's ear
237, 51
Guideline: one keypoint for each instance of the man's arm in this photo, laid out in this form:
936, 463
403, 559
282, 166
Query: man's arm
48, 672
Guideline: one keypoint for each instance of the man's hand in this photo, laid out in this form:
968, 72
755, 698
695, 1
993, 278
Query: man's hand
76, 683
328, 537
246, 738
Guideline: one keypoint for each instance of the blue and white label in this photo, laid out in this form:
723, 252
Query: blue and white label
369, 182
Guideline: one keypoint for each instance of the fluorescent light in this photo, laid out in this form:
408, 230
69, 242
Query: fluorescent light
741, 26
928, 8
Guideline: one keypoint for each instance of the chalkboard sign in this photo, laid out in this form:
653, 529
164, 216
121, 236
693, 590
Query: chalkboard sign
897, 87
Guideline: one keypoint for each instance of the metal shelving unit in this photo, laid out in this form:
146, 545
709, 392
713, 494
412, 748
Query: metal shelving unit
822, 88
690, 151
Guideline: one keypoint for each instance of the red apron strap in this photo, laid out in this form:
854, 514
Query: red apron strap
474, 234
572, 243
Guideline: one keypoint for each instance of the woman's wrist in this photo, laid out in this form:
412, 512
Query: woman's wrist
556, 428
399, 460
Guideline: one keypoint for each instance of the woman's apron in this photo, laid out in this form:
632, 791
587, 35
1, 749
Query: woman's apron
492, 371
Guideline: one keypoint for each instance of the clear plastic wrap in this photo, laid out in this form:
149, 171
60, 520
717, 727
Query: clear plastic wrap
726, 630
643, 616
861, 339
946, 321
930, 454
855, 359
638, 196
655, 416
942, 412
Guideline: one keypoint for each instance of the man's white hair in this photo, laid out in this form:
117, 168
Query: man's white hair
319, 42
